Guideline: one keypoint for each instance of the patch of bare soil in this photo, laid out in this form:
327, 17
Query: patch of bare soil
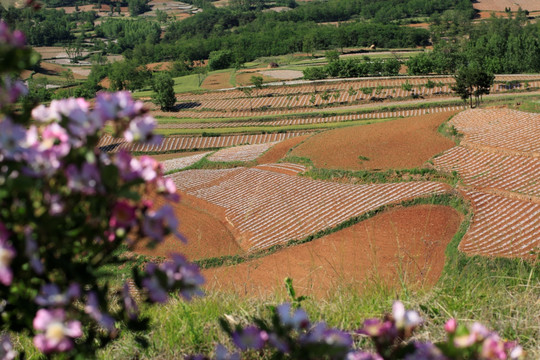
501, 5
161, 157
397, 144
217, 81
278, 151
401, 245
205, 228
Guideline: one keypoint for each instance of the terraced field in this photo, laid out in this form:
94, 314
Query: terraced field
241, 153
499, 162
269, 208
176, 143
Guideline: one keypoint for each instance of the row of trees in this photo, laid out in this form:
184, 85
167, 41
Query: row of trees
354, 68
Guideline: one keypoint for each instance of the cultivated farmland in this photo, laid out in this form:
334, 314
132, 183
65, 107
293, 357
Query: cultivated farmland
269, 208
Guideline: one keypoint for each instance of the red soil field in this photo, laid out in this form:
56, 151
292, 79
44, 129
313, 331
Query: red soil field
205, 228
278, 151
407, 242
397, 144
162, 157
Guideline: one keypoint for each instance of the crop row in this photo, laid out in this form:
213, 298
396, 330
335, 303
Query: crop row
241, 153
500, 128
182, 162
483, 169
502, 226
340, 86
311, 120
174, 143
270, 208
284, 168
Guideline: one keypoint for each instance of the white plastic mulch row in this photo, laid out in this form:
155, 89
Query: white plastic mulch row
484, 169
241, 153
270, 208
502, 226
312, 120
500, 128
109, 144
182, 162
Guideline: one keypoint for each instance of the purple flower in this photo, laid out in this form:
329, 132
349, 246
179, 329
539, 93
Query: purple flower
6, 348
129, 303
156, 223
56, 333
7, 253
145, 168
250, 338
515, 352
51, 296
87, 180
15, 38
329, 336
280, 344
31, 251
11, 91
425, 351
223, 354
55, 139
56, 205
376, 327
117, 105
362, 355
298, 320
12, 140
179, 274
92, 309
140, 130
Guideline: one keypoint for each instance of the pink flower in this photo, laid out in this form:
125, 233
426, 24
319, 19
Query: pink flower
450, 326
405, 319
123, 215
167, 187
7, 253
56, 333
145, 168
493, 349
15, 39
11, 91
140, 130
157, 223
56, 139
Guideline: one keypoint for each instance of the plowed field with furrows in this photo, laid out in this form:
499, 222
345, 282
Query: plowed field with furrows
483, 169
182, 162
283, 168
310, 120
500, 129
269, 208
304, 100
502, 226
241, 153
109, 144
341, 86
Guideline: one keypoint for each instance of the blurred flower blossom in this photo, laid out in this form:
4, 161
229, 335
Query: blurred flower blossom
6, 348
92, 309
51, 296
250, 337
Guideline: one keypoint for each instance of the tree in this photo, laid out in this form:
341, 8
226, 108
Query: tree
472, 80
331, 56
163, 87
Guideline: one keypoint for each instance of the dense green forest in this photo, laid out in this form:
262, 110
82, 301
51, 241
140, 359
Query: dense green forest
498, 45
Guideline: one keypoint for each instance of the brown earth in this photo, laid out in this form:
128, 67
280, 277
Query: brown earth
500, 5
278, 151
203, 225
217, 81
160, 66
50, 69
396, 144
401, 245
244, 78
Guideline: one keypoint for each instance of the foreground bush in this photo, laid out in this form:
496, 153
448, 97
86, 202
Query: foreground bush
67, 210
